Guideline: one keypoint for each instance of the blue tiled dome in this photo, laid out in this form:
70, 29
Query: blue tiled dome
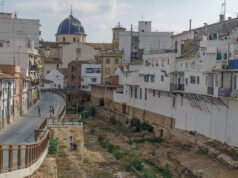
71, 25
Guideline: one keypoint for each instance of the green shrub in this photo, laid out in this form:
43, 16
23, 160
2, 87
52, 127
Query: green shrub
112, 119
150, 140
110, 148
101, 139
53, 148
101, 102
202, 152
93, 111
117, 154
192, 132
92, 131
80, 108
135, 123
168, 172
137, 164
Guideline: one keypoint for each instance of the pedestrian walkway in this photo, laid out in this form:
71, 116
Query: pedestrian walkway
22, 131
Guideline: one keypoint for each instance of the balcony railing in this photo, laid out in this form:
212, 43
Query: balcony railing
174, 87
210, 90
228, 92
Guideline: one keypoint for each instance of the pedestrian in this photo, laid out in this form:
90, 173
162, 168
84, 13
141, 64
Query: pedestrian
53, 111
71, 142
50, 111
38, 107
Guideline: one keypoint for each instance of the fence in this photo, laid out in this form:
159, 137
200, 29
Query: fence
14, 157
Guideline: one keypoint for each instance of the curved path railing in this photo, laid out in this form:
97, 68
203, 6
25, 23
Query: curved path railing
20, 156
16, 158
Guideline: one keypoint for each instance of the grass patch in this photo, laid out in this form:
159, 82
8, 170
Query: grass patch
184, 146
102, 174
152, 171
192, 132
118, 155
53, 148
201, 152
149, 140
62, 146
137, 164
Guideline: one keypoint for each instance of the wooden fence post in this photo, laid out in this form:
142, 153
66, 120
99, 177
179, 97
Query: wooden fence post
1, 158
27, 155
19, 157
10, 157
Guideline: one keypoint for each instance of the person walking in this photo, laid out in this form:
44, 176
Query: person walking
38, 108
71, 142
53, 111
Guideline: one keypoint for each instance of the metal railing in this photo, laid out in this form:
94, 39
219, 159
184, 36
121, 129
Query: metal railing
174, 86
13, 157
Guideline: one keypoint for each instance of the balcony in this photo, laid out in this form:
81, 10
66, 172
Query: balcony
210, 90
179, 87
228, 92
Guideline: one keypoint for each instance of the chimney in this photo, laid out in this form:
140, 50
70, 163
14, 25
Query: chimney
222, 17
190, 24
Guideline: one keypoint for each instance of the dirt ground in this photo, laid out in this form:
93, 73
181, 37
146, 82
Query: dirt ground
164, 159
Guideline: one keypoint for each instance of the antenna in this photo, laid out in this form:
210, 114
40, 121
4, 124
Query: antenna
71, 11
2, 4
223, 9
142, 16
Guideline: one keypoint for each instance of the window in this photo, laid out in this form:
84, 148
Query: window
93, 79
142, 30
74, 39
146, 78
57, 65
153, 92
135, 93
131, 91
63, 39
192, 79
152, 78
198, 79
48, 71
186, 65
168, 61
108, 61
116, 61
176, 46
72, 69
107, 70
162, 78
234, 81
56, 76
145, 93
78, 51
140, 93
72, 77
216, 80
186, 81
147, 63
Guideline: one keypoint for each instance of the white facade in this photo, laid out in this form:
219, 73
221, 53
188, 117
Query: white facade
59, 80
91, 75
8, 92
135, 43
195, 85
79, 51
15, 28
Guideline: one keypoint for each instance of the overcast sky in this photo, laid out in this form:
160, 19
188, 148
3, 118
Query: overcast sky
100, 16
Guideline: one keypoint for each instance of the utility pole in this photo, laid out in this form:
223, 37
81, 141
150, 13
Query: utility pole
2, 4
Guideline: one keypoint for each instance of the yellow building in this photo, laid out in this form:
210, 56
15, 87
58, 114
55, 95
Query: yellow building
110, 61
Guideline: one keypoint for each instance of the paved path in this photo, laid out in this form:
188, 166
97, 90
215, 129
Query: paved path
22, 131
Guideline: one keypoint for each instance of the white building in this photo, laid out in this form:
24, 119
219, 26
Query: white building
135, 43
7, 94
58, 78
195, 83
90, 75
16, 28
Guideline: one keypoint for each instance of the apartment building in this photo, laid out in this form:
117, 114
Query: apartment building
191, 86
